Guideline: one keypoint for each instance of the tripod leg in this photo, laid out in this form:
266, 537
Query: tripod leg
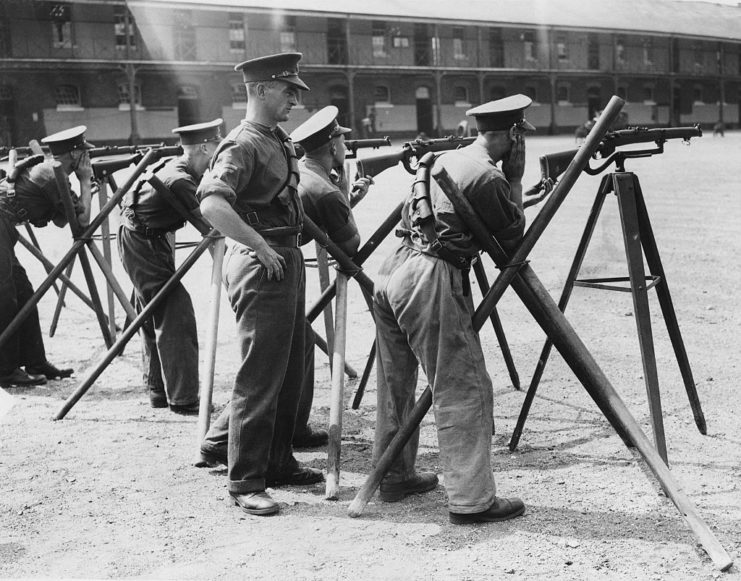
35, 242
624, 188
322, 265
364, 379
95, 297
581, 251
105, 232
496, 322
60, 301
337, 400
113, 285
667, 308
212, 333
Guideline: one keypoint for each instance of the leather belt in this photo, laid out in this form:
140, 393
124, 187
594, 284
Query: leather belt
285, 241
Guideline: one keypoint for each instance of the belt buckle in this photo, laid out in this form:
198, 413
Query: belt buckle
298, 240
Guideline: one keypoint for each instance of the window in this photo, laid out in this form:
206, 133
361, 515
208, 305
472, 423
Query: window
379, 38
648, 53
184, 36
620, 50
528, 40
675, 55
593, 52
699, 57
531, 92
123, 28
435, 41
459, 43
288, 35
562, 94
697, 96
239, 96
422, 47
622, 92
61, 22
381, 94
236, 32
123, 95
67, 97
401, 42
336, 42
648, 95
461, 96
562, 49
496, 48
4, 37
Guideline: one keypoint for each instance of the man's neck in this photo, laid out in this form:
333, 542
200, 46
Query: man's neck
257, 115
323, 161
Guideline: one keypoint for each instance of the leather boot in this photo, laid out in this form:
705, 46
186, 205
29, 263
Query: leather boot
19, 378
49, 370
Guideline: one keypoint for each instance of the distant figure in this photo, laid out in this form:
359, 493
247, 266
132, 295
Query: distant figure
719, 129
367, 127
583, 130
462, 129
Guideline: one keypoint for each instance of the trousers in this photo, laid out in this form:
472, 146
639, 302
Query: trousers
424, 318
170, 339
26, 345
260, 419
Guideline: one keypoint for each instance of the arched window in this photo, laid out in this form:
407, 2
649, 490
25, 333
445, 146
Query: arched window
381, 94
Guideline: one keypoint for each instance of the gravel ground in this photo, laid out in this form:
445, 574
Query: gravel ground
111, 490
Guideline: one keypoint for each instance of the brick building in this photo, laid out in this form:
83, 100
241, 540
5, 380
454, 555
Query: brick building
399, 67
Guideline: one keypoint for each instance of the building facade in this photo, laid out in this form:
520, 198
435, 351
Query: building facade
133, 70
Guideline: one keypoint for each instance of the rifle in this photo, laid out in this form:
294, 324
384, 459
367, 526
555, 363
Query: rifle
409, 154
352, 146
162, 149
554, 164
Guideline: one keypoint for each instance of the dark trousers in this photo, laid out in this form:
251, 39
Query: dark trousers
26, 345
260, 420
170, 338
217, 438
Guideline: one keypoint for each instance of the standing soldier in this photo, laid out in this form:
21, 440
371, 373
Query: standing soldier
323, 140
33, 196
249, 194
146, 241
423, 311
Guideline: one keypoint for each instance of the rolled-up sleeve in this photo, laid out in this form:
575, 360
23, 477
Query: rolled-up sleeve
503, 217
228, 174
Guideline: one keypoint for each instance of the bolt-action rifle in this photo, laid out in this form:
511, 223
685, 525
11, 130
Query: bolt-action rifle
554, 164
352, 146
409, 154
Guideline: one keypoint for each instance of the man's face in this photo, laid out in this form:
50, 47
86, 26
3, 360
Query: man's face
340, 151
280, 98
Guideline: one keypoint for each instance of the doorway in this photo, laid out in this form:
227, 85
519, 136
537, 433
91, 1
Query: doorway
425, 120
189, 105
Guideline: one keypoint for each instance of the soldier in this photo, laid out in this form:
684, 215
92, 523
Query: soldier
322, 139
322, 173
249, 194
33, 196
423, 316
146, 241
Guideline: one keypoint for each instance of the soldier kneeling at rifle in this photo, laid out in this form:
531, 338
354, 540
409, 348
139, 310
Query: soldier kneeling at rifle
30, 194
146, 241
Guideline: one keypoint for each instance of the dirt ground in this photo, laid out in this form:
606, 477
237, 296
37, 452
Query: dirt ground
111, 490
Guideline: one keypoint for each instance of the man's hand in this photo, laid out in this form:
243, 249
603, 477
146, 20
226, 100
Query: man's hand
513, 165
84, 169
273, 262
360, 187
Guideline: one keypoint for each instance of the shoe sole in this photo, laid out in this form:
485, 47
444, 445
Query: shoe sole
210, 459
258, 511
467, 519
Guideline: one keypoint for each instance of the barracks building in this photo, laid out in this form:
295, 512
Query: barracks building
132, 70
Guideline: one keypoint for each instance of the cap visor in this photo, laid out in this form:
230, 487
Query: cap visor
296, 81
527, 126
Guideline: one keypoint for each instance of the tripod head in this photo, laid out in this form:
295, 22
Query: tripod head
554, 164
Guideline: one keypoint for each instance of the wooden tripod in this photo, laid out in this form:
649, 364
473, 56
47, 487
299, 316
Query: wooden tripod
637, 235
